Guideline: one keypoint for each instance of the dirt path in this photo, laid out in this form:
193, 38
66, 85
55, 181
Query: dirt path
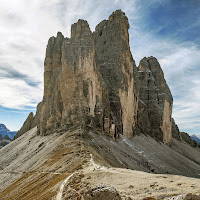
60, 192
92, 166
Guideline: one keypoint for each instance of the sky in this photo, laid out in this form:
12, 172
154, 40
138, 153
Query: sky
166, 29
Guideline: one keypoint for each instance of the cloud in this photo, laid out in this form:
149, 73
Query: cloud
8, 72
179, 59
24, 30
16, 94
182, 73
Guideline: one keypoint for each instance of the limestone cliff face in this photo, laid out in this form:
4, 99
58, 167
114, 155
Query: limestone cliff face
91, 80
118, 69
155, 101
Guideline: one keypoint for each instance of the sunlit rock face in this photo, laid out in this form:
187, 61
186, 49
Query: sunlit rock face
91, 80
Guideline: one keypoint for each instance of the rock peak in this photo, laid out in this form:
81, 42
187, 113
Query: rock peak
155, 106
119, 16
80, 29
91, 80
59, 35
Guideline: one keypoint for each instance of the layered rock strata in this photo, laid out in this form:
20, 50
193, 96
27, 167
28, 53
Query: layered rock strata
91, 80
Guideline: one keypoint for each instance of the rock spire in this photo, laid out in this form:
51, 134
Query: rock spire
91, 80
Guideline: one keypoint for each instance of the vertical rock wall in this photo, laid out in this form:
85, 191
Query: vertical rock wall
117, 68
155, 101
91, 80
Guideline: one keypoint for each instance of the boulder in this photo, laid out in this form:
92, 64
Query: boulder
102, 193
175, 131
90, 80
26, 126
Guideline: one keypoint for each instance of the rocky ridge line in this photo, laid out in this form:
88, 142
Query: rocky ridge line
91, 80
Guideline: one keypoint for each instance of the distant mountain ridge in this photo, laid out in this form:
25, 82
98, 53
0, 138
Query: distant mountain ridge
196, 138
4, 141
5, 131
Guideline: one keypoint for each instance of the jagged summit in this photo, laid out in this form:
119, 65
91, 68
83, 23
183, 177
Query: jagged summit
119, 16
80, 29
155, 101
91, 80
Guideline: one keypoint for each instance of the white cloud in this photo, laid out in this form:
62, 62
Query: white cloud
182, 73
16, 94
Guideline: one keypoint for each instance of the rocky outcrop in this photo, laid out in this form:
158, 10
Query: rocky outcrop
31, 122
188, 139
26, 126
182, 136
36, 118
102, 192
91, 80
155, 101
118, 71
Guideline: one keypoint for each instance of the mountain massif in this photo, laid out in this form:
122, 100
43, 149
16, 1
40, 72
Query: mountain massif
91, 80
5, 131
98, 105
